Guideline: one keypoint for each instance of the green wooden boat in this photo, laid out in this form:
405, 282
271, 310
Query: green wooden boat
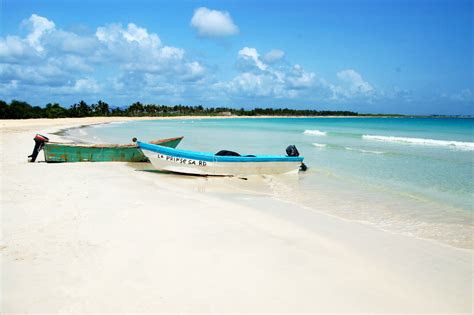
75, 152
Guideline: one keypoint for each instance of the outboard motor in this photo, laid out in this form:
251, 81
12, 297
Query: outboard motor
303, 167
292, 151
40, 140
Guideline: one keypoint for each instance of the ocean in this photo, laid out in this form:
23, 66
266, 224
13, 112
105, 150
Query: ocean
412, 176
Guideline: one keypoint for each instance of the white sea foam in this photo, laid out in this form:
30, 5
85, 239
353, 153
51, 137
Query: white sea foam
82, 132
319, 145
364, 151
420, 141
315, 132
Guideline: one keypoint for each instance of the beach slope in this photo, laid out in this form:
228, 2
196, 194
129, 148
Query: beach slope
107, 237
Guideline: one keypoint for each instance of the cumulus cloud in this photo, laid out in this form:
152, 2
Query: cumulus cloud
134, 63
258, 79
13, 48
213, 23
70, 43
86, 85
47, 74
39, 26
274, 55
354, 81
115, 33
51, 59
252, 58
194, 71
351, 85
135, 49
297, 78
263, 77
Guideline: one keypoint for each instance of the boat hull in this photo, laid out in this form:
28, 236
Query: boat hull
64, 152
206, 165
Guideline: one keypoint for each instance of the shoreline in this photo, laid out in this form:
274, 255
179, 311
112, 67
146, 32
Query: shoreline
463, 247
81, 232
61, 133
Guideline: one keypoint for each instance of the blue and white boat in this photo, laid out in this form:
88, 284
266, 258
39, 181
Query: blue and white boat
205, 163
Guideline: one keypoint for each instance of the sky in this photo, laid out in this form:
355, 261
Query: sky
409, 57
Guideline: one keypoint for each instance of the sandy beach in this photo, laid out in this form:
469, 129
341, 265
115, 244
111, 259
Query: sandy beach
110, 238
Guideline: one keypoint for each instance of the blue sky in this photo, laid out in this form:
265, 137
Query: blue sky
368, 56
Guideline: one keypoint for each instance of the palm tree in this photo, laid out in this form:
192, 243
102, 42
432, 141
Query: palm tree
136, 109
102, 108
83, 109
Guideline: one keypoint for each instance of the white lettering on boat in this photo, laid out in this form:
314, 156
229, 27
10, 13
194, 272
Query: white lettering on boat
182, 160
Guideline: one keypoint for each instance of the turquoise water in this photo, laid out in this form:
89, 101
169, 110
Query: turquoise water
407, 175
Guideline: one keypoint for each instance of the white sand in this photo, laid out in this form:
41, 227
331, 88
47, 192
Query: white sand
105, 237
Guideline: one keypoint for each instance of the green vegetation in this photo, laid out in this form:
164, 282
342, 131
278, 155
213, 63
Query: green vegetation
22, 110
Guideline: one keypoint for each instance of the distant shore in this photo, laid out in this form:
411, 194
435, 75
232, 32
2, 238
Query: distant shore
19, 124
22, 110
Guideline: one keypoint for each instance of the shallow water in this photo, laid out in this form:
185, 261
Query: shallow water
406, 175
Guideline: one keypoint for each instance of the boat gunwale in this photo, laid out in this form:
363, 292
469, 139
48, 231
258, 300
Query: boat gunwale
210, 157
110, 145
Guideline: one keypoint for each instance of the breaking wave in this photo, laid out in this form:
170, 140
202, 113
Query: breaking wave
420, 141
314, 132
364, 151
319, 145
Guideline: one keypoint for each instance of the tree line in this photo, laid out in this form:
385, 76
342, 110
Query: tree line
22, 110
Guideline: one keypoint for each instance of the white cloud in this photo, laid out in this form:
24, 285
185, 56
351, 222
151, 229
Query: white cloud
132, 62
141, 36
195, 71
70, 43
13, 48
172, 53
213, 23
109, 33
258, 79
115, 33
39, 26
71, 63
135, 49
155, 84
57, 61
351, 85
274, 55
297, 78
86, 85
251, 54
42, 75
354, 81
250, 84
